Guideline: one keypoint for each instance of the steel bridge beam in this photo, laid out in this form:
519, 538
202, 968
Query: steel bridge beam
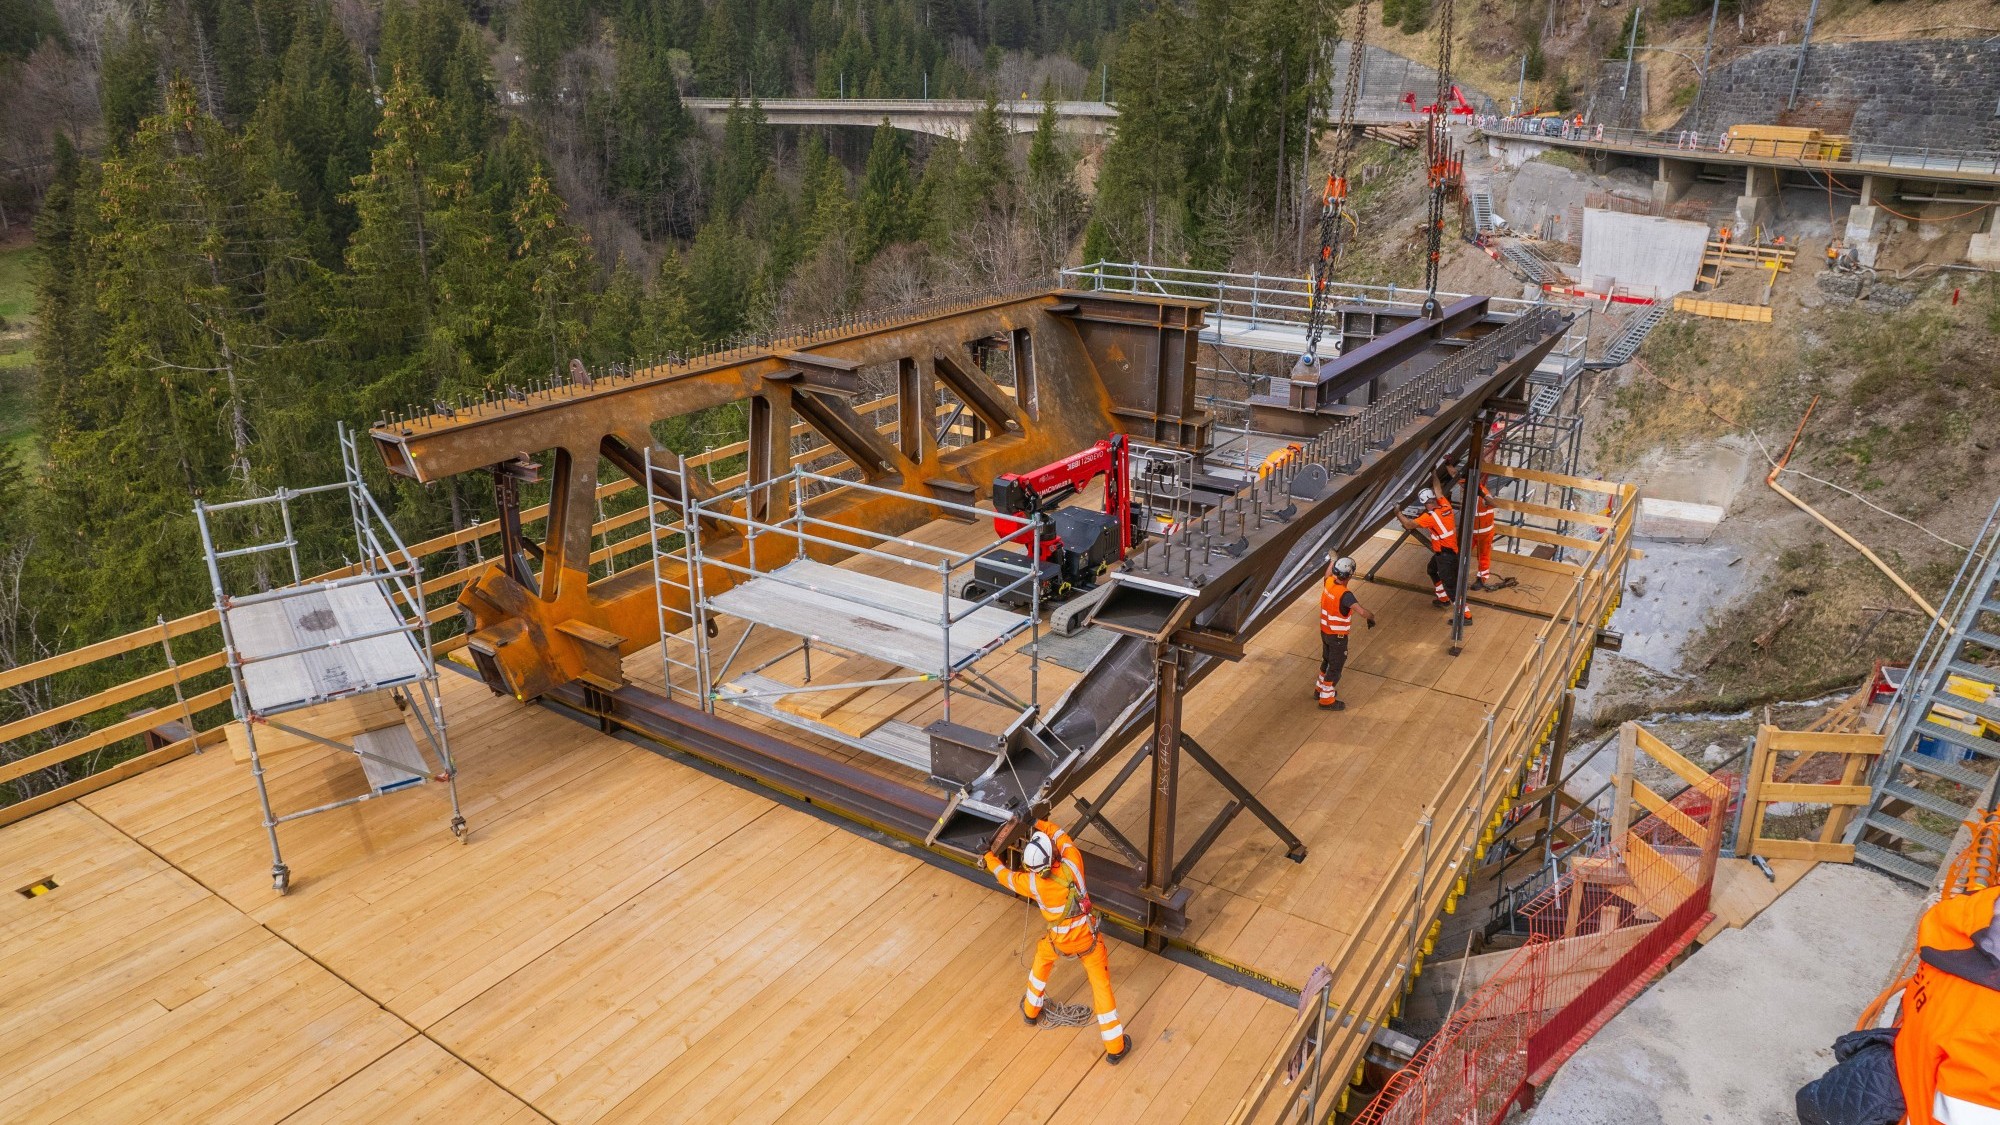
1085, 364
1196, 598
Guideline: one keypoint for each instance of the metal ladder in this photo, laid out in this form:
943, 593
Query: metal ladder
1482, 212
1920, 795
1528, 262
1626, 344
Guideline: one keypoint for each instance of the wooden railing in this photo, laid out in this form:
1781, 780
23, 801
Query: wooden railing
188, 693
1767, 783
1373, 969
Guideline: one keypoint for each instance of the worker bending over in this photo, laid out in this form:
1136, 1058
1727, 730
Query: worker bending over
1053, 881
1450, 481
1337, 610
1432, 522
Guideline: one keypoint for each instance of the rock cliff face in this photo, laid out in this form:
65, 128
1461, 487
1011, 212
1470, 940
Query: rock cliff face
1941, 93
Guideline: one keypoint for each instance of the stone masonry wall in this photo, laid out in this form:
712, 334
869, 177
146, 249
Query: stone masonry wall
1386, 77
1614, 102
1940, 93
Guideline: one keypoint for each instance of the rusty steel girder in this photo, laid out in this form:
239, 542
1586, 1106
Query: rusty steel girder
1084, 365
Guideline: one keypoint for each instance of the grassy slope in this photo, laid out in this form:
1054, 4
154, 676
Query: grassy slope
1907, 415
17, 354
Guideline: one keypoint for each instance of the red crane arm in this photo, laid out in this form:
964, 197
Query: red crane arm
1043, 489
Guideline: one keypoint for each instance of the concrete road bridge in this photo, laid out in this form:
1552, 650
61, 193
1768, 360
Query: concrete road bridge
940, 117
952, 117
1929, 185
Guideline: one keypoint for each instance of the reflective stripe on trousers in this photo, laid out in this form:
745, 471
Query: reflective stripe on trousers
1097, 966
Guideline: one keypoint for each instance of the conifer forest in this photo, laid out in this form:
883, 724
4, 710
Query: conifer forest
253, 220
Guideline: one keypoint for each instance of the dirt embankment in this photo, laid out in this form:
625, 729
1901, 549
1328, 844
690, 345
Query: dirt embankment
1902, 449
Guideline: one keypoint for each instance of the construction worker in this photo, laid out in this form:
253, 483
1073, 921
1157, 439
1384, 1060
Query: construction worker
1432, 523
1337, 611
1277, 458
1948, 1048
1450, 480
1053, 881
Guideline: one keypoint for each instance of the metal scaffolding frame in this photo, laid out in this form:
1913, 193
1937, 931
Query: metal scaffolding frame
720, 560
365, 637
1547, 436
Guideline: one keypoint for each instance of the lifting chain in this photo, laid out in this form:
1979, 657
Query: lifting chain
1333, 214
1440, 158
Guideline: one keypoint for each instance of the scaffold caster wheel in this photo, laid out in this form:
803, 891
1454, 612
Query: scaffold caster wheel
281, 878
459, 829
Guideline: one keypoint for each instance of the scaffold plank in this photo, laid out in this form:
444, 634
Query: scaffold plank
870, 616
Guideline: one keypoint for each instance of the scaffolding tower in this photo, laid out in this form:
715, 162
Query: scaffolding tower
332, 662
719, 561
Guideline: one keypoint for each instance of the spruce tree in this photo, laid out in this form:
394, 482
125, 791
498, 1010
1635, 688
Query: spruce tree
550, 265
745, 153
1055, 205
669, 325
720, 280
887, 193
318, 118
198, 396
643, 138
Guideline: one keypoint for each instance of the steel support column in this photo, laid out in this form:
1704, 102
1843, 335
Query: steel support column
1159, 873
1468, 515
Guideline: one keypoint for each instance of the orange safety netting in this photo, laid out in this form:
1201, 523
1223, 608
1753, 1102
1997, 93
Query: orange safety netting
1597, 936
1975, 868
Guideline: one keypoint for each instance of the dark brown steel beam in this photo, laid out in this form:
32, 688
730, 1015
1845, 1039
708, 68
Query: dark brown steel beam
524, 623
1378, 357
904, 811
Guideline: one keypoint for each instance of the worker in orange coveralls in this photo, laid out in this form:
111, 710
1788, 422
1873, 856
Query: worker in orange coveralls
1432, 523
1948, 1050
1449, 480
1053, 881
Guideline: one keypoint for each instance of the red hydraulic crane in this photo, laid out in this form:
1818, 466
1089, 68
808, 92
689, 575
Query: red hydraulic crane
1077, 545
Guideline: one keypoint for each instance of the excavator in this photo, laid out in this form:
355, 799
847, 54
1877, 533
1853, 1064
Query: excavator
1078, 546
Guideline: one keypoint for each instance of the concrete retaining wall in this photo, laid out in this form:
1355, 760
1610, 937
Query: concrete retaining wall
1650, 257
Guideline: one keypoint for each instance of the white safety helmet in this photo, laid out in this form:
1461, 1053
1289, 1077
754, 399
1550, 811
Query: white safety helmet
1426, 496
1039, 853
1343, 568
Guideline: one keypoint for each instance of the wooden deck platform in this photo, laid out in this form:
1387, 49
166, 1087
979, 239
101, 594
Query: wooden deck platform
626, 937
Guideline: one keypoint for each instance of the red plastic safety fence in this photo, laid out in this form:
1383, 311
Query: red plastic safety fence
1610, 925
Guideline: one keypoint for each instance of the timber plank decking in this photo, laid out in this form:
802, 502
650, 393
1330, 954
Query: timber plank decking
626, 938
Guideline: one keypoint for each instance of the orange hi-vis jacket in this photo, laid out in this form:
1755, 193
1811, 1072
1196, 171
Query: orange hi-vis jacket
1948, 1051
1061, 895
1482, 513
1482, 517
1331, 617
1441, 527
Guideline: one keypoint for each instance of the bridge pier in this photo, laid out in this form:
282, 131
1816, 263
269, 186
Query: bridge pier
1864, 223
1758, 205
1674, 180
